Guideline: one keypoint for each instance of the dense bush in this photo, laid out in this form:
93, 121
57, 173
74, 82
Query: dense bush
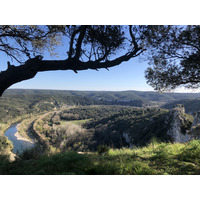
5, 145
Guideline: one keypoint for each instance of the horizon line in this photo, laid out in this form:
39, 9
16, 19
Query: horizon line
105, 90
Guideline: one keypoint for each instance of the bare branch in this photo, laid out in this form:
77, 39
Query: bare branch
133, 37
79, 42
72, 41
105, 55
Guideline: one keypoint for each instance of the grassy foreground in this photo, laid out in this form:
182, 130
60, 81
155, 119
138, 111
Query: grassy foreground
155, 159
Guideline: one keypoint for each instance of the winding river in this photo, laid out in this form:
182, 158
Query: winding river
19, 143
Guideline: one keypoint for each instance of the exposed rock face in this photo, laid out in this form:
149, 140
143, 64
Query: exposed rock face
179, 108
175, 126
177, 121
196, 121
128, 139
195, 128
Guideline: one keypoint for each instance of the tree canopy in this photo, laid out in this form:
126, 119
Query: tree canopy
174, 53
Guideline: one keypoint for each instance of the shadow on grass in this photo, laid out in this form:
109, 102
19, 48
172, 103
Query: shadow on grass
157, 159
72, 163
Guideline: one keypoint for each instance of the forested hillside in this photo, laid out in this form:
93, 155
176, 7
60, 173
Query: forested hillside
85, 128
69, 97
16, 103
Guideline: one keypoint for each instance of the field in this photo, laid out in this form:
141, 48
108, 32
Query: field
76, 122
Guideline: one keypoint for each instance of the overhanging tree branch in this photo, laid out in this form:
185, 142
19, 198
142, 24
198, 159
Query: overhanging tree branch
15, 74
103, 41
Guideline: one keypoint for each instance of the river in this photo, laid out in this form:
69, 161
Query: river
19, 143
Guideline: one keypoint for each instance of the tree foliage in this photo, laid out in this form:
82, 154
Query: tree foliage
23, 42
174, 53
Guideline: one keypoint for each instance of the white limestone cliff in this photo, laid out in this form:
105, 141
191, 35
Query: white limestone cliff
175, 126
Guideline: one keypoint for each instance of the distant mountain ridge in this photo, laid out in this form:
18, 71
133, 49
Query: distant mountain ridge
108, 96
191, 105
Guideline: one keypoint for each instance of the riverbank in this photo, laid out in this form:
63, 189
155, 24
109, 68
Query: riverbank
20, 137
13, 156
19, 142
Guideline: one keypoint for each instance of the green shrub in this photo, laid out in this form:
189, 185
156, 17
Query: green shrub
5, 145
31, 153
103, 149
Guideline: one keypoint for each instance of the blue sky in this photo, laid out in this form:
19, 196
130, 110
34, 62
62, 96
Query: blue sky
127, 76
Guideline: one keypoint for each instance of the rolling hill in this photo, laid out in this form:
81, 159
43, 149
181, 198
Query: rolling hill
132, 98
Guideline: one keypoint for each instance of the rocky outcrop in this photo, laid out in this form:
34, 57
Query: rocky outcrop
195, 128
179, 108
128, 139
196, 121
177, 125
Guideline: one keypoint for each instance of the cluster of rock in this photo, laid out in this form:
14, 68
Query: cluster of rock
195, 128
177, 122
177, 115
